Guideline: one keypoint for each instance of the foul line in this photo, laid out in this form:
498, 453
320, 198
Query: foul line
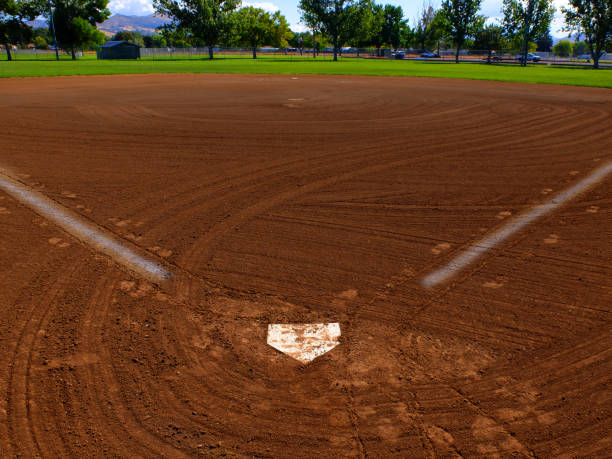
513, 226
87, 233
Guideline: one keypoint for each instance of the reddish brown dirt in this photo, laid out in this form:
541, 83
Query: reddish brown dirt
328, 207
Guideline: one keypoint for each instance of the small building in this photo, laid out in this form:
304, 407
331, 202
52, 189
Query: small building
119, 50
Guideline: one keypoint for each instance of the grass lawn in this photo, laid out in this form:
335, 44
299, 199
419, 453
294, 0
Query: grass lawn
274, 65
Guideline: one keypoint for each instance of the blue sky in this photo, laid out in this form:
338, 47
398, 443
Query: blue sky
490, 8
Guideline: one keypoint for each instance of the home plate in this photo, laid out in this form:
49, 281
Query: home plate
304, 342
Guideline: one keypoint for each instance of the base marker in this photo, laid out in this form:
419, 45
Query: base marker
304, 342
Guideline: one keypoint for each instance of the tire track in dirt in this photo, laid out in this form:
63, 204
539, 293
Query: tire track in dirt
19, 400
183, 369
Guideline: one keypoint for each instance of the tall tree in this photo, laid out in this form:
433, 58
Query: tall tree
75, 23
205, 20
378, 22
463, 20
422, 28
256, 27
490, 38
362, 21
313, 22
13, 27
393, 25
439, 29
544, 43
333, 18
592, 19
527, 20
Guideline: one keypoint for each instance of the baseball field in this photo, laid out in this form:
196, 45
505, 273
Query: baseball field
153, 227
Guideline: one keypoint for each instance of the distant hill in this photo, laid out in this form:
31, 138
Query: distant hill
146, 25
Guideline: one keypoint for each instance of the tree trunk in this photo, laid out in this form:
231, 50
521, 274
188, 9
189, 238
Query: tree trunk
489, 57
254, 52
457, 55
210, 52
595, 54
9, 56
73, 53
335, 49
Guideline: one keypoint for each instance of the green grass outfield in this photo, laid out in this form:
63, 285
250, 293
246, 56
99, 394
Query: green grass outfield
377, 67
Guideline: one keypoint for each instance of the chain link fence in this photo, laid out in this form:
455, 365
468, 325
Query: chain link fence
443, 55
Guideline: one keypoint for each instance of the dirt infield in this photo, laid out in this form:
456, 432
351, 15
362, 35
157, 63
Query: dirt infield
279, 199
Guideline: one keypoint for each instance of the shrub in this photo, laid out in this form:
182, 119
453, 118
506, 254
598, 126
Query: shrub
563, 48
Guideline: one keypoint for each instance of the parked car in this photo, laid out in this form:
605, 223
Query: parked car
530, 57
399, 55
588, 57
429, 54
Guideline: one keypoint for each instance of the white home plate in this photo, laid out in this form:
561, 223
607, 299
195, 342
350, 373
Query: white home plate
304, 342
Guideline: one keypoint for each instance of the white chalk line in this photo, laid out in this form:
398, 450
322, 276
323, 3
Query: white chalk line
513, 226
87, 233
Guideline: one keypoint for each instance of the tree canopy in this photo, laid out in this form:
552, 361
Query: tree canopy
463, 20
75, 23
331, 17
526, 21
592, 19
393, 25
255, 27
490, 38
204, 20
13, 27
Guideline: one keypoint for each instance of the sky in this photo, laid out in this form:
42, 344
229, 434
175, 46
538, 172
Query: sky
489, 8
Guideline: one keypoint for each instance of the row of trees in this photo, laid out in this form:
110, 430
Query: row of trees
210, 22
358, 23
72, 22
525, 22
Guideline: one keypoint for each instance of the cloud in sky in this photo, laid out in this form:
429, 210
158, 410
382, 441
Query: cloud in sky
266, 6
144, 7
299, 28
131, 7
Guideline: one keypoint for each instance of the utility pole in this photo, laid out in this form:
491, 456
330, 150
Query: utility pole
53, 29
526, 33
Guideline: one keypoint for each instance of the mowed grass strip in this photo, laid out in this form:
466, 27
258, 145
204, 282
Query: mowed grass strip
374, 67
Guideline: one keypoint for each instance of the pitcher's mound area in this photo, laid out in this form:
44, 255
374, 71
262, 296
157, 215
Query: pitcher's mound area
305, 200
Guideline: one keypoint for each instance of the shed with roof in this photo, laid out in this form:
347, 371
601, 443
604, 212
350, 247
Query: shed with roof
119, 50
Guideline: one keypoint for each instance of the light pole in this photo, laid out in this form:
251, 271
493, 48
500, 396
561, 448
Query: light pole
53, 29
526, 33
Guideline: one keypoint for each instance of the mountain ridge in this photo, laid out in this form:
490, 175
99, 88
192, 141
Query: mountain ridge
146, 24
